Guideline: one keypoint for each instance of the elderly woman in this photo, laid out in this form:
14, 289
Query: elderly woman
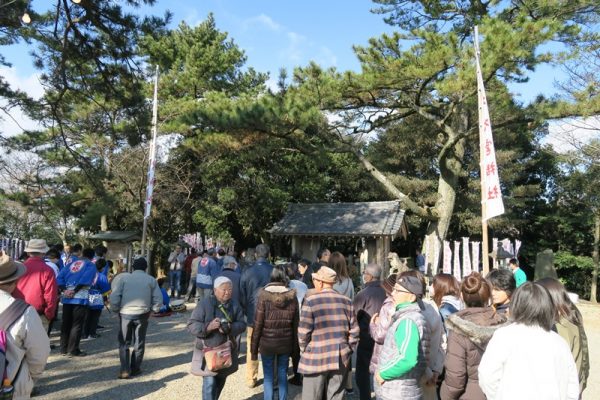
215, 320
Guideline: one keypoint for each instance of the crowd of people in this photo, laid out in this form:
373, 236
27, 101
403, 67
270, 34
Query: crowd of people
494, 337
82, 279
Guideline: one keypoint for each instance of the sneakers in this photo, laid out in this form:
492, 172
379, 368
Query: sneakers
123, 375
78, 354
349, 392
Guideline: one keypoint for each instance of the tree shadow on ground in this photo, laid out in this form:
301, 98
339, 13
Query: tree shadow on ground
101, 379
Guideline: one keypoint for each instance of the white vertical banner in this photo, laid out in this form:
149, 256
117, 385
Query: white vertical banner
492, 194
475, 255
152, 156
466, 258
447, 267
456, 261
517, 247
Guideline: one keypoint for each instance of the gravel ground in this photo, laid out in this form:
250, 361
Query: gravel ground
165, 368
591, 319
166, 362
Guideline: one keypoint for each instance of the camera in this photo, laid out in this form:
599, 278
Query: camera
225, 326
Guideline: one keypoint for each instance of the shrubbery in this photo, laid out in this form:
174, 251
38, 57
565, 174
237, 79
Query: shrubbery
575, 272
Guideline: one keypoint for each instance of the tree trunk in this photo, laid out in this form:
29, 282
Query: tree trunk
437, 230
596, 256
450, 170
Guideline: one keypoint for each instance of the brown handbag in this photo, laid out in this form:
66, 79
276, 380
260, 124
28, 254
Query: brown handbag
218, 357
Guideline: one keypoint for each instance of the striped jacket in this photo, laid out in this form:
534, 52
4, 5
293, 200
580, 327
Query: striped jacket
327, 332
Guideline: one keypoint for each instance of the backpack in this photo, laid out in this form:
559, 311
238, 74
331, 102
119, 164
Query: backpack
7, 319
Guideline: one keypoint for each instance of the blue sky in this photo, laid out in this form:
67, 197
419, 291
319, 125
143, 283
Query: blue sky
274, 34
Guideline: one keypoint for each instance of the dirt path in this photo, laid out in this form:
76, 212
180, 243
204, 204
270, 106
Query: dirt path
165, 368
591, 318
166, 362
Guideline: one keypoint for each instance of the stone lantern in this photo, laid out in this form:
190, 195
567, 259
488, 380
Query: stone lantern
501, 257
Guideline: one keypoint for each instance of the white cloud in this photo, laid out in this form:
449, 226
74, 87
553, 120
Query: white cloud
16, 121
571, 133
294, 51
273, 83
29, 84
261, 20
327, 57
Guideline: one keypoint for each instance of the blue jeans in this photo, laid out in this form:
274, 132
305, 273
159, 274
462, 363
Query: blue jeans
282, 366
212, 386
175, 282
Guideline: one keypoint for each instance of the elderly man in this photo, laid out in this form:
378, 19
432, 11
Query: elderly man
367, 303
38, 286
135, 295
253, 279
327, 334
215, 319
26, 338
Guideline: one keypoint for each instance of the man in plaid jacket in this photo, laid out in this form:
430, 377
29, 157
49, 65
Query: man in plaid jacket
328, 334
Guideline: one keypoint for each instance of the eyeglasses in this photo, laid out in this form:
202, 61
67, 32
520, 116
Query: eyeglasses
396, 290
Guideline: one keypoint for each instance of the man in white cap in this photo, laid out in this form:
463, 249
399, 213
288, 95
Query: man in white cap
134, 297
27, 342
328, 334
38, 286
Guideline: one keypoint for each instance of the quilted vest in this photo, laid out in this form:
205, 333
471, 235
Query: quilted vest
405, 387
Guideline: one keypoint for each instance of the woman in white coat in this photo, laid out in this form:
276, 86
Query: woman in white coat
526, 359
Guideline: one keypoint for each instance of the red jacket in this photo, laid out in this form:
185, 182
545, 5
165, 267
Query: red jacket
38, 287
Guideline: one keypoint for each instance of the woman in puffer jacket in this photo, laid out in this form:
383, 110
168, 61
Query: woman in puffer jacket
275, 334
469, 332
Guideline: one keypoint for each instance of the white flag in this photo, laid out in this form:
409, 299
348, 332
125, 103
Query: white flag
490, 180
466, 257
447, 266
152, 156
456, 261
475, 255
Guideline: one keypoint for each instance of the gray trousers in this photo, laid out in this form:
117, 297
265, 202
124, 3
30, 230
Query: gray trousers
132, 332
330, 385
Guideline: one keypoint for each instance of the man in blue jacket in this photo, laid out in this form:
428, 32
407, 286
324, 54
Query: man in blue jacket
74, 281
253, 279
